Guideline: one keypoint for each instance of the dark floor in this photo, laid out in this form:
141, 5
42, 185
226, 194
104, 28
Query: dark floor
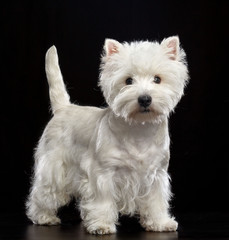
15, 226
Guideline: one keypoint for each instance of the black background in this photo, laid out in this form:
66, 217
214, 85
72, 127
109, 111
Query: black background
199, 128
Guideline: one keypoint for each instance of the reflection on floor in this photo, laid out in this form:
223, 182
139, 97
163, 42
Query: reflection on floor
15, 226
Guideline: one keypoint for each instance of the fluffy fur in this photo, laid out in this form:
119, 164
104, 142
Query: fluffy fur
114, 160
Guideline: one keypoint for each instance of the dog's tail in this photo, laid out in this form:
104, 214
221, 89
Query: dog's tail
57, 91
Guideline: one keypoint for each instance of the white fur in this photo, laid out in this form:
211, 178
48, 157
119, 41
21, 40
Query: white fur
113, 160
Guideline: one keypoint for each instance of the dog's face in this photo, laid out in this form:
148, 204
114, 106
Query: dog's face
143, 81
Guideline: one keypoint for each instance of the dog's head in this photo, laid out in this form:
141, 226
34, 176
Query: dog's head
142, 81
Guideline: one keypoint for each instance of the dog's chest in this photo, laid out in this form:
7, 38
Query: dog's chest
141, 148
140, 151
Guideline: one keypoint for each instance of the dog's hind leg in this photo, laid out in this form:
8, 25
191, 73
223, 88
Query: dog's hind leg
48, 192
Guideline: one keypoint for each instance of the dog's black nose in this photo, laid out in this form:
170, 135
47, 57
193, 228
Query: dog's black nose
144, 101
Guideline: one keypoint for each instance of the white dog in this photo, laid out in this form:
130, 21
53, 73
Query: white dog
114, 160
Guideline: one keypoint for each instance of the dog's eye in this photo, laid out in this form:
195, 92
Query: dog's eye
157, 79
129, 81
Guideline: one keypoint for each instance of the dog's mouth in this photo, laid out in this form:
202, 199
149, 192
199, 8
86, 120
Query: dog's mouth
144, 114
144, 110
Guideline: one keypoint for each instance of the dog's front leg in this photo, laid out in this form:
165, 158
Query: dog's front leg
98, 209
99, 216
154, 207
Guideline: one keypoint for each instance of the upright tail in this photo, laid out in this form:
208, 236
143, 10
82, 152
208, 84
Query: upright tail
57, 90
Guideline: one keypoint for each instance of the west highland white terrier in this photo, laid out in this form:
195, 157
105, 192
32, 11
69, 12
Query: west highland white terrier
113, 160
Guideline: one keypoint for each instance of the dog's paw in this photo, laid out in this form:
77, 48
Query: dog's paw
170, 225
102, 229
47, 220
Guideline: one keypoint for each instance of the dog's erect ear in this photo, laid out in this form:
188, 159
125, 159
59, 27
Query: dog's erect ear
111, 47
172, 47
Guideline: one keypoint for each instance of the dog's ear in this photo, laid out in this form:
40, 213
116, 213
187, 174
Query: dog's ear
111, 47
172, 47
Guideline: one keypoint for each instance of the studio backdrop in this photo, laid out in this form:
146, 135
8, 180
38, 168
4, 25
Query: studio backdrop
199, 165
